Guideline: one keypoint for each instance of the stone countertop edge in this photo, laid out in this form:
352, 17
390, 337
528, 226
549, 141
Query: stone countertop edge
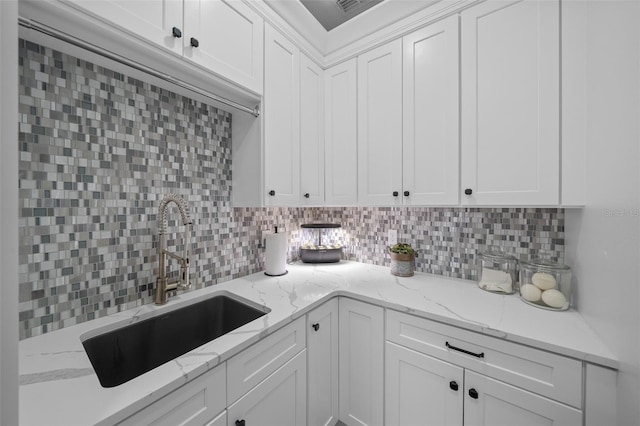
59, 387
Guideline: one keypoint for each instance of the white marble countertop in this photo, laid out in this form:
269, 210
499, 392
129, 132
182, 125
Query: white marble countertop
59, 387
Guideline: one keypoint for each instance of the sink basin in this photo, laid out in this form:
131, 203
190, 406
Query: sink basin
125, 353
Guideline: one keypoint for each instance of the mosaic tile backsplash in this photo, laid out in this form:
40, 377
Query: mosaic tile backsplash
99, 150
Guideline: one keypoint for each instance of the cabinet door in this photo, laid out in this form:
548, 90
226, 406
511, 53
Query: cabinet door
230, 40
431, 99
152, 20
421, 390
322, 362
221, 420
256, 363
193, 404
551, 375
380, 125
279, 400
510, 103
341, 134
489, 402
311, 132
281, 120
361, 363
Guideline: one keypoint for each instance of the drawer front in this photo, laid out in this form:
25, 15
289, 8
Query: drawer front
253, 365
195, 403
279, 400
547, 374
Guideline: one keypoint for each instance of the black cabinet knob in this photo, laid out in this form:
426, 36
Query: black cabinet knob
468, 191
306, 195
316, 326
176, 32
473, 393
453, 385
406, 193
194, 42
239, 422
395, 193
272, 192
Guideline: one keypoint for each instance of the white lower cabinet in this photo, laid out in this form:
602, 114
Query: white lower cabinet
322, 365
489, 402
196, 403
421, 390
221, 420
334, 365
278, 400
361, 363
253, 365
445, 390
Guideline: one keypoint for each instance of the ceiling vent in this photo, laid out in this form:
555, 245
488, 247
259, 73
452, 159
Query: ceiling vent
348, 5
331, 13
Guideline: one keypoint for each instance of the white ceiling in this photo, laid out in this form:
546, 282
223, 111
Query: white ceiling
371, 21
331, 13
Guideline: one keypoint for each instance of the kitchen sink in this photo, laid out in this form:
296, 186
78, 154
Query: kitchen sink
125, 353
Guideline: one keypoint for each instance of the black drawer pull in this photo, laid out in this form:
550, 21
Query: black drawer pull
453, 385
272, 192
194, 42
176, 32
395, 193
464, 351
406, 193
307, 195
473, 393
239, 422
316, 326
468, 191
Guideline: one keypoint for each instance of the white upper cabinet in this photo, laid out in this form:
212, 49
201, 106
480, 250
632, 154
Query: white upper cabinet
281, 120
229, 39
222, 36
380, 125
431, 99
311, 132
510, 103
341, 143
408, 116
153, 20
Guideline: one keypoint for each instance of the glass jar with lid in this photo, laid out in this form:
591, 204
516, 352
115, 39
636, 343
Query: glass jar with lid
497, 272
545, 284
320, 243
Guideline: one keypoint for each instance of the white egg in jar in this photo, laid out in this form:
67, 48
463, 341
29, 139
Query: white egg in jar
530, 293
544, 281
554, 299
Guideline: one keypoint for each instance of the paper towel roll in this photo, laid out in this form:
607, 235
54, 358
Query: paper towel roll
276, 254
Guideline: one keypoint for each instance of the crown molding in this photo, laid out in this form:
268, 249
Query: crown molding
393, 29
380, 24
308, 37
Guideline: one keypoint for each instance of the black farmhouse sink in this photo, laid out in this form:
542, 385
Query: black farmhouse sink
125, 353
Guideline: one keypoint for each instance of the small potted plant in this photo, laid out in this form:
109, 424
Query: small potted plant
402, 260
